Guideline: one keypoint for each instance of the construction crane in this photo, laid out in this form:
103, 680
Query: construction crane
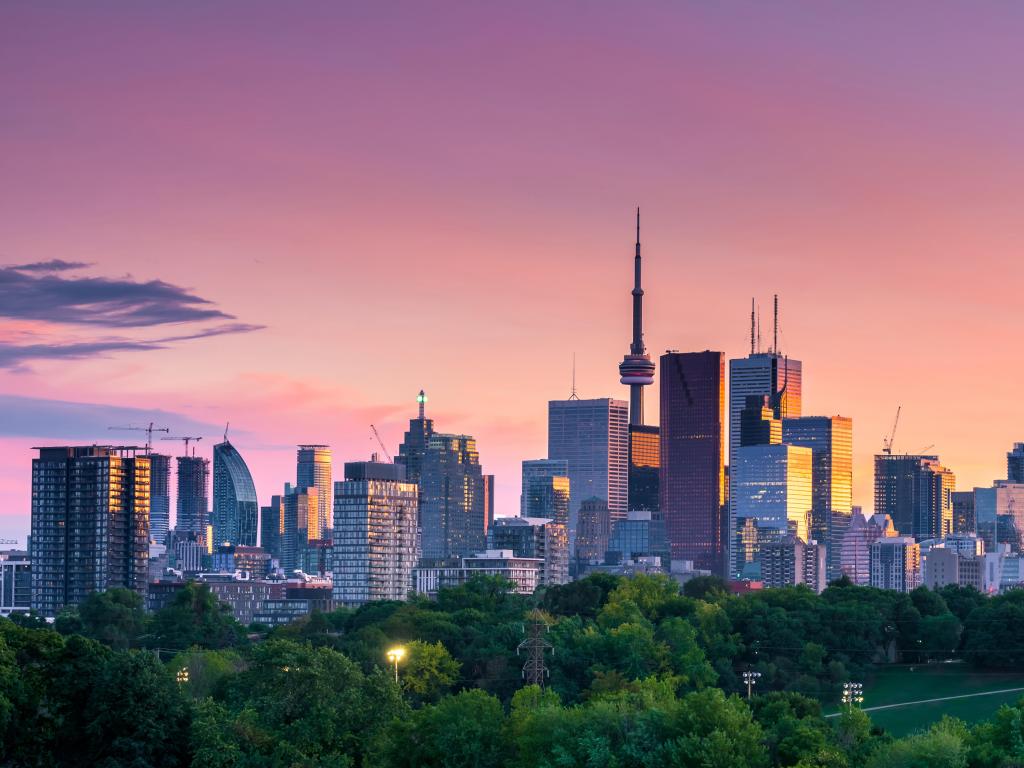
888, 441
149, 430
186, 440
8, 541
380, 442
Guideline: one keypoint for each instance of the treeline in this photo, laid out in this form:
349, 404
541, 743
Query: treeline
641, 674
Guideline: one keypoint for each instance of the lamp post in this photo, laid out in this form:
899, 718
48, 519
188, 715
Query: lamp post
395, 655
182, 675
853, 694
750, 678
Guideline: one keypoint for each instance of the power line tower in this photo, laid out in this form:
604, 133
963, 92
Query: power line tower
535, 646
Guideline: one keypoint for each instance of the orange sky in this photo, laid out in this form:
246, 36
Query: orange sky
443, 199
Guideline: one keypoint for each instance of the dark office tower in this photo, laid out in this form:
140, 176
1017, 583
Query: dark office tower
193, 499
414, 444
451, 498
916, 492
595, 528
272, 526
90, 524
830, 439
1015, 464
548, 497
159, 497
592, 437
234, 518
637, 371
313, 470
965, 520
692, 468
488, 502
758, 423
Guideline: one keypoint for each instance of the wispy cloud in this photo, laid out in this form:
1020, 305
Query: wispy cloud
39, 292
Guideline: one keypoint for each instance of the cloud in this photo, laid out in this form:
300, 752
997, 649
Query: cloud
63, 420
102, 301
53, 265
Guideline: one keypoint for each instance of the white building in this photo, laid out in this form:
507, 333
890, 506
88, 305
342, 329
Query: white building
525, 572
15, 582
896, 563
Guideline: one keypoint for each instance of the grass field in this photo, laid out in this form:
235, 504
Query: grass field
897, 684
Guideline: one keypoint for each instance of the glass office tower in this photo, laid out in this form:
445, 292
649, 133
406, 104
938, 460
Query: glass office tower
830, 439
313, 470
692, 479
452, 507
592, 437
192, 498
917, 493
644, 466
545, 482
159, 497
773, 487
234, 518
90, 524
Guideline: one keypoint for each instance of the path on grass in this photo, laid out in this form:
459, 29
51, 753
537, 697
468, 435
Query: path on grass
932, 701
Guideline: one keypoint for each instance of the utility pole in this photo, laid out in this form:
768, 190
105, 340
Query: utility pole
534, 646
750, 678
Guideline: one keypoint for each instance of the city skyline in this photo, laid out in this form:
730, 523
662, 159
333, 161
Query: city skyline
879, 202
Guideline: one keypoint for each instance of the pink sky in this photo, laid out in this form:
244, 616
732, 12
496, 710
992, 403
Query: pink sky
441, 196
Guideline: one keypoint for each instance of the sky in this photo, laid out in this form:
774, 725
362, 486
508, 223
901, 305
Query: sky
291, 217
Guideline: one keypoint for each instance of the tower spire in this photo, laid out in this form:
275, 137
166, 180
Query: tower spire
751, 325
775, 327
421, 398
636, 369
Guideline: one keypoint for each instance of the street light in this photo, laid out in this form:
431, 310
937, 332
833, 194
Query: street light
853, 694
182, 676
750, 678
395, 655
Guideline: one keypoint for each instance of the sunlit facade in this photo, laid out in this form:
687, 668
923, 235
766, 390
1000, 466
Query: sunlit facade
235, 517
692, 478
592, 437
90, 524
917, 493
452, 508
896, 564
299, 506
375, 544
534, 537
830, 439
644, 466
538, 473
313, 470
773, 485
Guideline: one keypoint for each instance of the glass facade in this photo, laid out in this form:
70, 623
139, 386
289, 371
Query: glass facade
534, 537
313, 470
541, 469
90, 524
272, 526
644, 466
772, 486
592, 437
830, 439
375, 542
641, 534
15, 583
192, 497
1015, 464
159, 497
298, 507
548, 497
452, 512
692, 479
235, 517
917, 493
594, 528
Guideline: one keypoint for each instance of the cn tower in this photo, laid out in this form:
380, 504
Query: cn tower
636, 369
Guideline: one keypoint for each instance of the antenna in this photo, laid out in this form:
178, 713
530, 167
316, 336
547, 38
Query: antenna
759, 329
752, 325
775, 327
573, 395
421, 399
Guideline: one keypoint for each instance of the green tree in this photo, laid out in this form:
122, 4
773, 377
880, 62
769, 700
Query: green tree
429, 670
993, 630
942, 746
115, 617
194, 618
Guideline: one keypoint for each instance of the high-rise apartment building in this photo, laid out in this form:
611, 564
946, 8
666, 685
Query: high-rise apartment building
299, 507
375, 545
235, 517
159, 497
313, 470
534, 537
830, 439
90, 524
1015, 464
964, 519
452, 513
692, 479
592, 437
192, 502
790, 561
896, 563
917, 493
593, 529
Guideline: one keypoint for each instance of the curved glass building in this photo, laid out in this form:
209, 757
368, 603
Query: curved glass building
235, 512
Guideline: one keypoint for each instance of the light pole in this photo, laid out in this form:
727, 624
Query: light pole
853, 694
750, 678
182, 676
395, 655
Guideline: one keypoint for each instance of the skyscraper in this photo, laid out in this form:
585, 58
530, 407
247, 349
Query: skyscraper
592, 437
773, 486
1015, 464
488, 481
235, 517
593, 531
637, 371
451, 504
692, 479
192, 498
830, 439
299, 508
916, 492
313, 470
375, 547
90, 524
414, 444
542, 480
159, 497
272, 526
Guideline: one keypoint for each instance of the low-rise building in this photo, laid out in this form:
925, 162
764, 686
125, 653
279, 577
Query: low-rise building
524, 572
15, 582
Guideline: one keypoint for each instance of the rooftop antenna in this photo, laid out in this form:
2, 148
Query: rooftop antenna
751, 325
421, 399
775, 327
573, 395
759, 329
